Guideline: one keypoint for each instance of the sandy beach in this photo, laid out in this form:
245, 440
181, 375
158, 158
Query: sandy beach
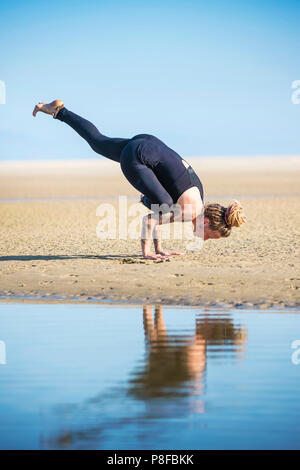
49, 247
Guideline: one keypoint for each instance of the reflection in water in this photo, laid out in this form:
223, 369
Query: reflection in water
168, 383
171, 360
175, 363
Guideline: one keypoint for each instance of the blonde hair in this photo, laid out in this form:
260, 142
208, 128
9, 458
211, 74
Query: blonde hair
222, 219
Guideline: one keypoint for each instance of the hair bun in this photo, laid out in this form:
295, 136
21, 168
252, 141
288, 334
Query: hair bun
234, 215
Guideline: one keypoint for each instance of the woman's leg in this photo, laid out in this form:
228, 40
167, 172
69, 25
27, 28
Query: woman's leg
143, 178
107, 146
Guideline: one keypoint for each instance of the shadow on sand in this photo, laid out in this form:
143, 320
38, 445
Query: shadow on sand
134, 257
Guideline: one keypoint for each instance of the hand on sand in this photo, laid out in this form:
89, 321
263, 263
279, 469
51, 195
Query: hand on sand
168, 253
48, 108
155, 256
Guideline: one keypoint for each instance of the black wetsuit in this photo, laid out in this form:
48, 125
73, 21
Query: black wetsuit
148, 164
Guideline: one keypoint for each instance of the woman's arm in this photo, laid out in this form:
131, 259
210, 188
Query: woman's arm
150, 226
151, 230
198, 226
187, 210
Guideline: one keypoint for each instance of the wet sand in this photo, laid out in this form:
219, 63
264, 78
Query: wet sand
49, 247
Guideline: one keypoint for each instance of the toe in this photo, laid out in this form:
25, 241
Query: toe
37, 108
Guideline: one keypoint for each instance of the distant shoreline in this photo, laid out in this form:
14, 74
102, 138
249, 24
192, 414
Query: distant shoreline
205, 163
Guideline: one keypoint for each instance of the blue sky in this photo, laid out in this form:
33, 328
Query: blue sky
208, 78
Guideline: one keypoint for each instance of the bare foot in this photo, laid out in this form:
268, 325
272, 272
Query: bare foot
48, 108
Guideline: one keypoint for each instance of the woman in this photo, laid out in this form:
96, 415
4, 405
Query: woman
168, 184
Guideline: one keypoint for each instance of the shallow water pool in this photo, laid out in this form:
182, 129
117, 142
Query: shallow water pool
88, 376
